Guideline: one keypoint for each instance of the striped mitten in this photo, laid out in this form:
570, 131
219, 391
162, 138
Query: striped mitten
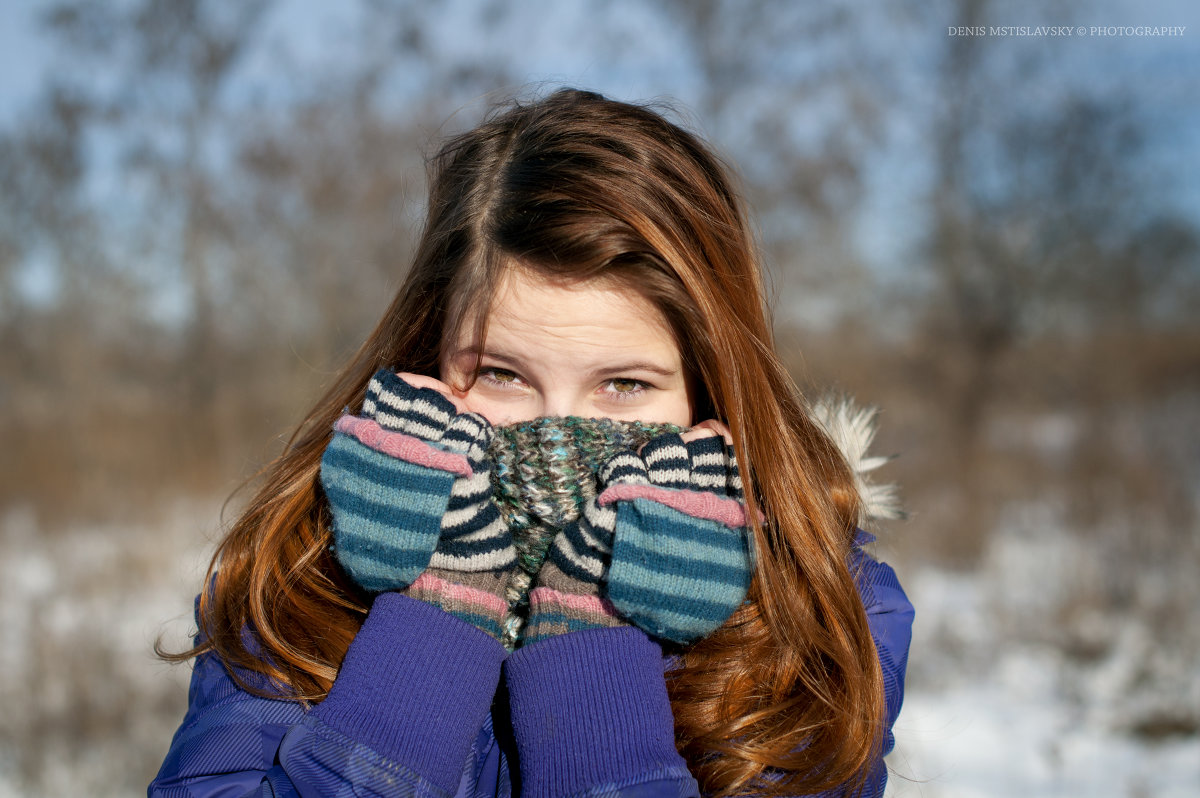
663, 546
681, 559
409, 488
567, 593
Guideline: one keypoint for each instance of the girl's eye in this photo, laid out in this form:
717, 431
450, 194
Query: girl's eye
624, 389
500, 377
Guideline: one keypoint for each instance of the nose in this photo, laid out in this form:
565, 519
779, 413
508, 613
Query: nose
562, 403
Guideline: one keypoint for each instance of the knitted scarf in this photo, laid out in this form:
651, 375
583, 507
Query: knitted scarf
545, 474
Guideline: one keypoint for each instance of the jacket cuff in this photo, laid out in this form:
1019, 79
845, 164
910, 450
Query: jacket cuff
415, 686
590, 712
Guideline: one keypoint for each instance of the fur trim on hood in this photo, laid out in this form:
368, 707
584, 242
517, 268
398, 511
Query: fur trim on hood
853, 428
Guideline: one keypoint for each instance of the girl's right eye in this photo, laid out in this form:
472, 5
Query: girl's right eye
501, 378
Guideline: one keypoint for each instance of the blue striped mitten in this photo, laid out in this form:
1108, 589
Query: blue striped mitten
409, 488
567, 595
665, 540
681, 558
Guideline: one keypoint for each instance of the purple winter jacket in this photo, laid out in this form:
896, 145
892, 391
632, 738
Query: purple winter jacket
427, 705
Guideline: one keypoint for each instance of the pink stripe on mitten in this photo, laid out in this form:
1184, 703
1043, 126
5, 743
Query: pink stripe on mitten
592, 605
402, 447
697, 504
458, 595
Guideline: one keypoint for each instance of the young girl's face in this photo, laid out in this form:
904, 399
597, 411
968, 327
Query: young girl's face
555, 348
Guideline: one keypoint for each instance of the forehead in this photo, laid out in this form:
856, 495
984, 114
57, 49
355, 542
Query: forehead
592, 313
522, 293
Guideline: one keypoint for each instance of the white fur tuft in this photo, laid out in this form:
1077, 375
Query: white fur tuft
852, 429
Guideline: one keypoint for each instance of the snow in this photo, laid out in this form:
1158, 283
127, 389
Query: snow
88, 708
1009, 736
994, 709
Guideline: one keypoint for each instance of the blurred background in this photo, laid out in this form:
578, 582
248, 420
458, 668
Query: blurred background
992, 234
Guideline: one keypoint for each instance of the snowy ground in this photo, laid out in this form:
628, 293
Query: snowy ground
87, 708
999, 740
993, 708
1017, 721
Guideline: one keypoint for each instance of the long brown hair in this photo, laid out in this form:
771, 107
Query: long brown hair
785, 697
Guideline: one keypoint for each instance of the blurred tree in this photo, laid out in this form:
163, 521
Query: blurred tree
172, 61
791, 90
1043, 222
56, 275
227, 233
155, 76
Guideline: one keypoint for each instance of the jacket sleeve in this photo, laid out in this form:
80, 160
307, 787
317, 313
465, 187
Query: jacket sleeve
890, 619
408, 702
590, 716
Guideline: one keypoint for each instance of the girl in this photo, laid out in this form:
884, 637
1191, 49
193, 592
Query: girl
527, 561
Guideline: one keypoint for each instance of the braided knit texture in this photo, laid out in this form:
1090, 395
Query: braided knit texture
544, 475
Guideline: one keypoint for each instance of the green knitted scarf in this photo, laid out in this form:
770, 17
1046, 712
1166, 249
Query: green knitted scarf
545, 474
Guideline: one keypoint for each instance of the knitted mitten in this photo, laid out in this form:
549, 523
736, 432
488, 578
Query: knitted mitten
567, 595
681, 559
671, 522
409, 488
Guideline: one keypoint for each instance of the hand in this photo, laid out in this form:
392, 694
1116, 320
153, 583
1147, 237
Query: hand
699, 459
408, 484
427, 409
452, 395
663, 546
708, 429
681, 562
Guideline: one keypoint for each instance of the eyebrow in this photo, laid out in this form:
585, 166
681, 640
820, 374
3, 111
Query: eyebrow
476, 353
637, 365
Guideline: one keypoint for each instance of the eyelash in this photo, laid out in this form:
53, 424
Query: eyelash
488, 375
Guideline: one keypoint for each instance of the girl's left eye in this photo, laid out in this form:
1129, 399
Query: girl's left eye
622, 388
